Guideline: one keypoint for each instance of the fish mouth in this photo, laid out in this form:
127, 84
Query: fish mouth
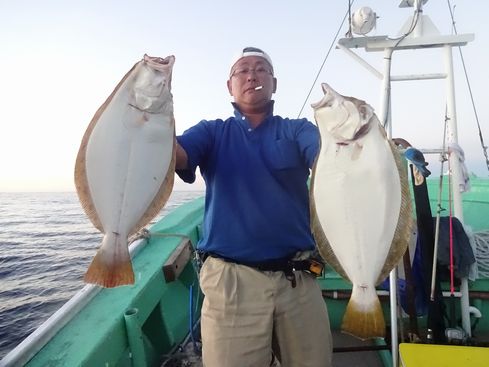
328, 98
159, 63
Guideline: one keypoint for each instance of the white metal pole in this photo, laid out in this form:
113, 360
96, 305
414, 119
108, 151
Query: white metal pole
393, 308
456, 173
361, 61
385, 93
452, 135
385, 119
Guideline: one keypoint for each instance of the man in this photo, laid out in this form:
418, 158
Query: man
256, 221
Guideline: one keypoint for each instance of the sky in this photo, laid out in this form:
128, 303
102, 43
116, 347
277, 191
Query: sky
60, 60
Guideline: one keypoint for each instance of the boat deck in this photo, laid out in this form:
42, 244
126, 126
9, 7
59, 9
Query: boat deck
369, 358
188, 358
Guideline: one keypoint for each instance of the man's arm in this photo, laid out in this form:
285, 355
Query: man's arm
181, 158
192, 146
308, 140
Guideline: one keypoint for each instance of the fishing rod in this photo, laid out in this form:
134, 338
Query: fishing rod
348, 14
481, 138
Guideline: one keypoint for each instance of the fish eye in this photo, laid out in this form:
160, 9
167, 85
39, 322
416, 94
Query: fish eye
328, 103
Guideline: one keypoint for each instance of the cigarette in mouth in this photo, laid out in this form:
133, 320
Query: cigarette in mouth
259, 87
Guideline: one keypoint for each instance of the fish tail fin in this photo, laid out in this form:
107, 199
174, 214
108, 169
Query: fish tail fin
363, 316
111, 266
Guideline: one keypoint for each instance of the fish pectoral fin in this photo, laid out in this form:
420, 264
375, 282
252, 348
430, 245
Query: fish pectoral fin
111, 266
363, 317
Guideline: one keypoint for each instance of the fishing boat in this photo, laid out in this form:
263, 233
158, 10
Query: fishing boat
155, 322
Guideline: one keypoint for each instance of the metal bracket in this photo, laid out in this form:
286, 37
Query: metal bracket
177, 261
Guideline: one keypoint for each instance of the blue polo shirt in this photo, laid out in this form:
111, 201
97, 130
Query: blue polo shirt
257, 203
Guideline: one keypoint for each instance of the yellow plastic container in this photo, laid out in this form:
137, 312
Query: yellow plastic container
431, 355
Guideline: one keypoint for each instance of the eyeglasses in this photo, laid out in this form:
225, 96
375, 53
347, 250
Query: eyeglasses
243, 72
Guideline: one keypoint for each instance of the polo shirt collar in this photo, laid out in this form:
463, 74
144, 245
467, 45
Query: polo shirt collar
242, 119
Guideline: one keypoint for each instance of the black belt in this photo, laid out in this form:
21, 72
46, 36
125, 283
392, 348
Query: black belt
287, 265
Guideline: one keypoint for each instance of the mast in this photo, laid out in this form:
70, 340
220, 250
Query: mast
417, 33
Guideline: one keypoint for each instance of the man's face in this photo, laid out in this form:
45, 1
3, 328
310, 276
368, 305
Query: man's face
251, 82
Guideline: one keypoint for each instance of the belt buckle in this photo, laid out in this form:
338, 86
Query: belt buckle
315, 267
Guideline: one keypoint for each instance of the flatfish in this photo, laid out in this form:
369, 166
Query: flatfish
125, 166
360, 205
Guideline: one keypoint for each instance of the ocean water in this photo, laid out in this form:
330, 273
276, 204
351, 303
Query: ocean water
46, 245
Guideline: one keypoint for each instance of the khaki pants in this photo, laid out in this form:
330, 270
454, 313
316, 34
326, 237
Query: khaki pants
247, 313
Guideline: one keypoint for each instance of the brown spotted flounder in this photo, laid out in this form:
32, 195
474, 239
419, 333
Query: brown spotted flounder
125, 165
360, 205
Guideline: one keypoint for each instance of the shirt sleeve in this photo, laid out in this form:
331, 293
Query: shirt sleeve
196, 142
307, 136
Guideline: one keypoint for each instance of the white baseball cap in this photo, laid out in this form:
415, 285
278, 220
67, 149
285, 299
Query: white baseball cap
251, 51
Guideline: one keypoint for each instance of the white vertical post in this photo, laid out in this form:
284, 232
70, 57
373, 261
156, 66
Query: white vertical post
385, 93
456, 173
452, 135
393, 308
385, 119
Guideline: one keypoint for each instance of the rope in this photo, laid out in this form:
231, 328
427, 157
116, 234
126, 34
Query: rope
484, 147
156, 234
141, 234
350, 3
146, 234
